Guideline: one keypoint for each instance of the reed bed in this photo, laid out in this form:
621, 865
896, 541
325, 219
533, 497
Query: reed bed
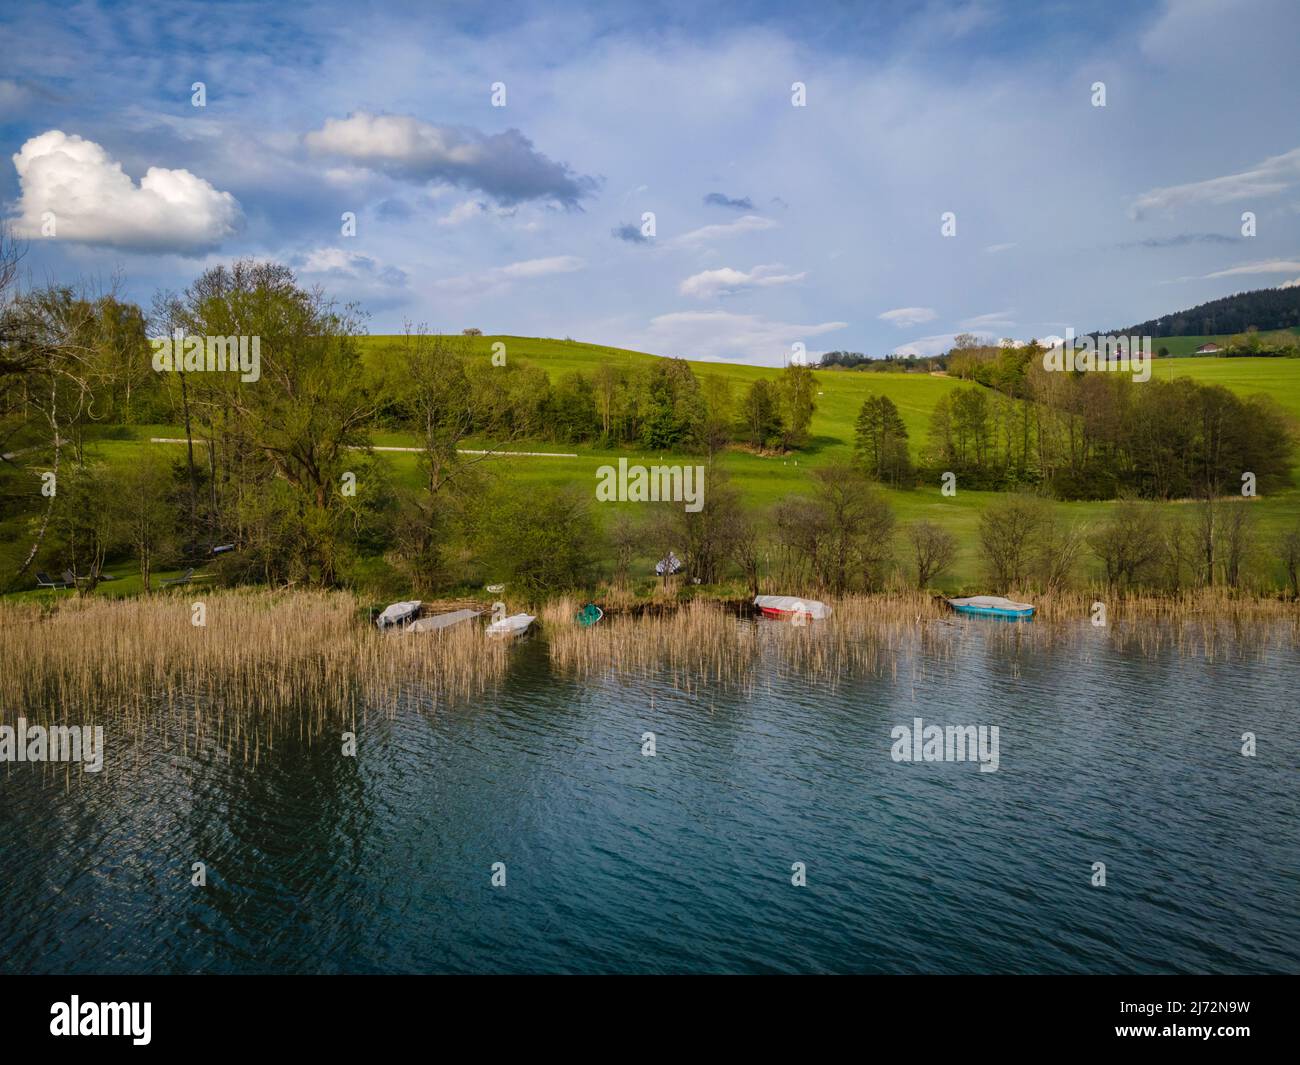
262, 661
703, 645
265, 662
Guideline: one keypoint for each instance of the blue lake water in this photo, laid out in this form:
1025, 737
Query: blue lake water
682, 862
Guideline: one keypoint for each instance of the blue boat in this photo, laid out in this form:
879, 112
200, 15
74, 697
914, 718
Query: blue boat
992, 606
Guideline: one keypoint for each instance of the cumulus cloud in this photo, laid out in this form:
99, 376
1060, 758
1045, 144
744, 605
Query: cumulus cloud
525, 270
750, 223
336, 262
1293, 283
905, 317
94, 201
504, 166
1275, 174
722, 335
727, 281
739, 203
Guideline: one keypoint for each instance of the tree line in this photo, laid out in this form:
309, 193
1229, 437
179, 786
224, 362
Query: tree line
1082, 435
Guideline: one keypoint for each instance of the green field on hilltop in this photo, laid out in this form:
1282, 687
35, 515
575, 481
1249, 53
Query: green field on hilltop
1180, 346
839, 398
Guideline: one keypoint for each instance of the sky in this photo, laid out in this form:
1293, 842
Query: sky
648, 175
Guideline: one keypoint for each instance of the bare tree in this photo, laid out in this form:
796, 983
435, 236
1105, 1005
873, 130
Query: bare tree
1289, 552
933, 550
1238, 538
1129, 544
1010, 533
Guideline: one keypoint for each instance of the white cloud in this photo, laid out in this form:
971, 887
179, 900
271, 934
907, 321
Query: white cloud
525, 270
1293, 283
906, 317
750, 223
727, 281
352, 274
722, 335
931, 345
1275, 174
995, 320
995, 249
13, 96
95, 202
463, 212
1267, 266
506, 166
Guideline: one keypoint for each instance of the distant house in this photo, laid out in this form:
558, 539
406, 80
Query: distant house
1208, 349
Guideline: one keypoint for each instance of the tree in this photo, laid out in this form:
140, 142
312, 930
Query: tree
1238, 539
718, 412
881, 441
708, 535
760, 415
672, 407
1128, 545
139, 498
542, 540
82, 524
607, 384
843, 534
933, 550
1289, 553
797, 389
1010, 532
301, 423
746, 547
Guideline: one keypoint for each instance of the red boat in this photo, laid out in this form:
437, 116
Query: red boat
791, 608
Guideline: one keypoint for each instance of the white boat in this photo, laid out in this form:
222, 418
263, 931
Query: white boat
791, 608
438, 622
397, 613
511, 626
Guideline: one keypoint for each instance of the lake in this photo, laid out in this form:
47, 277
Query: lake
615, 860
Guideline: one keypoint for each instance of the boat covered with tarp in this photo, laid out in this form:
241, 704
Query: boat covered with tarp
992, 606
514, 625
589, 615
438, 622
791, 608
668, 565
398, 613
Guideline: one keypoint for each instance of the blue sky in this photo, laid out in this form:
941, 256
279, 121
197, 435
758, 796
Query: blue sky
774, 224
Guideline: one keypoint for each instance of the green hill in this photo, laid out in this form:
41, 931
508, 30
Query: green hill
1263, 309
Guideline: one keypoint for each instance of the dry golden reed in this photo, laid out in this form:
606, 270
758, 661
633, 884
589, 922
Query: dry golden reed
905, 633
262, 660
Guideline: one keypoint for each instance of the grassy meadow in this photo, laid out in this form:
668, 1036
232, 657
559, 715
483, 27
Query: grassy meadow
763, 480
